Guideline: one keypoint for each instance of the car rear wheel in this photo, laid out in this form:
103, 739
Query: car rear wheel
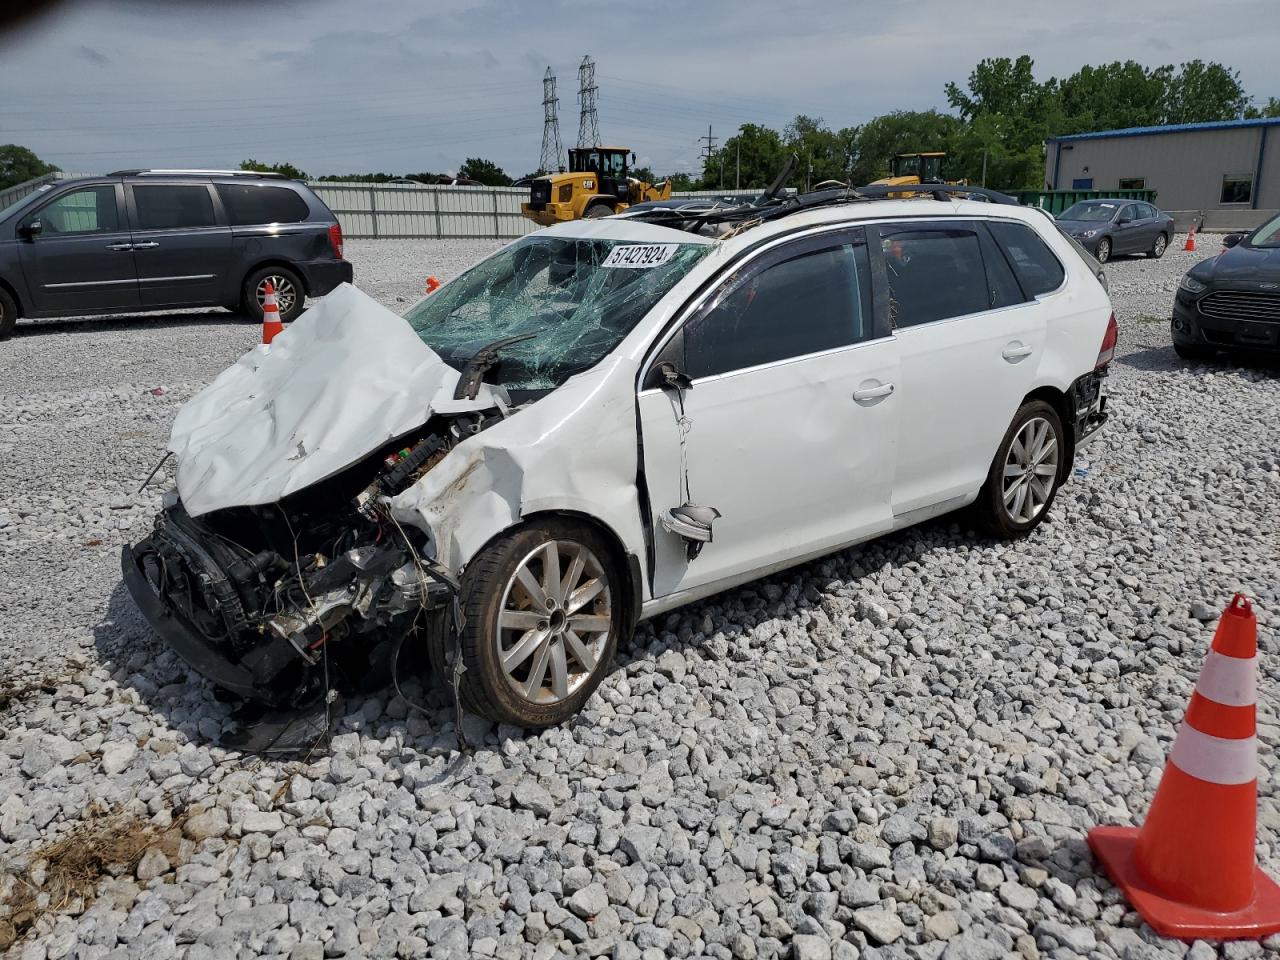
290, 294
1104, 250
544, 608
1194, 352
1158, 246
1024, 476
8, 315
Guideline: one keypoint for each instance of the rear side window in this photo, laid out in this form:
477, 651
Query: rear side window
813, 302
250, 204
933, 274
167, 206
1038, 270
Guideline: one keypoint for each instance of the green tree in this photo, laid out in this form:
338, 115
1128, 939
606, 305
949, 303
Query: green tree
684, 182
1200, 91
284, 169
18, 165
877, 141
1112, 96
1269, 109
751, 158
1023, 110
484, 171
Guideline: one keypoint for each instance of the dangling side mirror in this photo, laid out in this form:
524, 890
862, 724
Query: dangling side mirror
1231, 239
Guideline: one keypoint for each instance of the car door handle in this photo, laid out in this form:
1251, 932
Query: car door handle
119, 246
146, 246
1016, 351
873, 393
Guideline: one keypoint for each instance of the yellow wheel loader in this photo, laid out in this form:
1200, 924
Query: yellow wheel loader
596, 185
908, 169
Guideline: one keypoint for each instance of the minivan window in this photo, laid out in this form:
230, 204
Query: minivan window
169, 206
813, 302
933, 274
91, 210
251, 204
1038, 270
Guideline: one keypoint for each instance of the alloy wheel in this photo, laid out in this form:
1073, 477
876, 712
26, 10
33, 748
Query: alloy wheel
286, 293
1030, 470
554, 622
1161, 243
1104, 250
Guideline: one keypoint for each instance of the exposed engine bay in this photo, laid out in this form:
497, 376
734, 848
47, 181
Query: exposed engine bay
279, 602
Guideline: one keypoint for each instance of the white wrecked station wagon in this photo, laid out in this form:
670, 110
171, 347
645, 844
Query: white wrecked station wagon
608, 419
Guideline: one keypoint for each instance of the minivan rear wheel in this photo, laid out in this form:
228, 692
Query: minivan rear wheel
1025, 473
290, 295
8, 314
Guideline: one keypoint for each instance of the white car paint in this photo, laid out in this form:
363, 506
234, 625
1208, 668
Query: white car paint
796, 465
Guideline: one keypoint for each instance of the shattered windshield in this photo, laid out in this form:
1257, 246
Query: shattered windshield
578, 297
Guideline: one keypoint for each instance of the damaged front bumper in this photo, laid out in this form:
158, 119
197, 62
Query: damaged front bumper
277, 626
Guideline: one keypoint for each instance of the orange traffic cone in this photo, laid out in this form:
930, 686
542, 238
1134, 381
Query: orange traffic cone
433, 284
1191, 239
271, 325
1190, 869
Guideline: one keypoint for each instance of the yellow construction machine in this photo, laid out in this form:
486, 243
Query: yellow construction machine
596, 185
907, 169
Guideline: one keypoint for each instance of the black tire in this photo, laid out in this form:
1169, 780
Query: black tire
1104, 250
1158, 246
489, 583
290, 294
1194, 352
991, 512
597, 210
8, 314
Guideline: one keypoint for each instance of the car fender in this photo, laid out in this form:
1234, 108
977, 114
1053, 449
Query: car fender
572, 451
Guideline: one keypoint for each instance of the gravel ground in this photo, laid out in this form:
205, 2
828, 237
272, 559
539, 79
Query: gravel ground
892, 752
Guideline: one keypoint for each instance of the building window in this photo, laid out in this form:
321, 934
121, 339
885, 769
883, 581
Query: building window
1133, 183
1082, 183
1237, 188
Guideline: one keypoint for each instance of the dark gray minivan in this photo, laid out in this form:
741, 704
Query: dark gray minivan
139, 240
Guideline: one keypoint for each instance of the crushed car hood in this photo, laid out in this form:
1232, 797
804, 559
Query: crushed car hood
341, 381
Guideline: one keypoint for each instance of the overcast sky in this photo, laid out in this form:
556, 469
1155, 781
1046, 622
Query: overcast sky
404, 86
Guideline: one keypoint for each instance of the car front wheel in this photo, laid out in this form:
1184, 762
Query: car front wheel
544, 608
1024, 475
1104, 250
8, 315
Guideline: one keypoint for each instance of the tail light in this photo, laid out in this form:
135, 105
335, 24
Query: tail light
335, 239
1109, 339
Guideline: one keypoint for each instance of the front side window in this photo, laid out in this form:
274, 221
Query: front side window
1267, 235
810, 303
1237, 188
1038, 270
250, 204
91, 210
169, 206
578, 298
933, 273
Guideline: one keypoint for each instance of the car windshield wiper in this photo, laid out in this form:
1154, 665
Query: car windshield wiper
481, 362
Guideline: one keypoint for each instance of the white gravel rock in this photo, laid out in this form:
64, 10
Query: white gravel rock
892, 752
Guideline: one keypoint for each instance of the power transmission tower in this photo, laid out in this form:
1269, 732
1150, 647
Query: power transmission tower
552, 150
588, 124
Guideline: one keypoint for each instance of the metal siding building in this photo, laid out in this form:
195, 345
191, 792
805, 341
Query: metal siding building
1196, 168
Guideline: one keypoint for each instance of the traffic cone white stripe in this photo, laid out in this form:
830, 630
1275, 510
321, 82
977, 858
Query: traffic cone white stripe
1230, 681
1214, 759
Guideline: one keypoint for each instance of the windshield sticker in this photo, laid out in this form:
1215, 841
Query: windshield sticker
640, 256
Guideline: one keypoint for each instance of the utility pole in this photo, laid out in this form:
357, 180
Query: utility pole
737, 179
552, 150
588, 124
708, 151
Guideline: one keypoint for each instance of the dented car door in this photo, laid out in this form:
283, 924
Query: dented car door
774, 406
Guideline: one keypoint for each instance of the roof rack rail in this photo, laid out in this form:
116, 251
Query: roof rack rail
939, 191
144, 172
